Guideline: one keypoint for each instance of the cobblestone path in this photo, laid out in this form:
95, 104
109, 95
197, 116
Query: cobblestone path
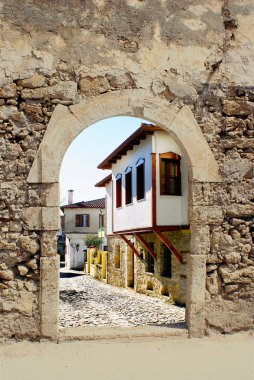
85, 301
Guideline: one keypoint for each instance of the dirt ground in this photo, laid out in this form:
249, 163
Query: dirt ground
216, 357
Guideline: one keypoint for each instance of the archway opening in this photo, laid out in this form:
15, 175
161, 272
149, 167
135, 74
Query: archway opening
65, 124
138, 228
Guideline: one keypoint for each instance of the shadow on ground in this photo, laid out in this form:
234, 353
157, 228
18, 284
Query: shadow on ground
68, 275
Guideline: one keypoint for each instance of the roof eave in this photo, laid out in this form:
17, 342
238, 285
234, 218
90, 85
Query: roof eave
128, 144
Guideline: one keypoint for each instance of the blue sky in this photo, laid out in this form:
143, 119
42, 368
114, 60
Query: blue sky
79, 167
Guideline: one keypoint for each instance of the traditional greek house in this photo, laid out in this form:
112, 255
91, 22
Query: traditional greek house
81, 219
147, 214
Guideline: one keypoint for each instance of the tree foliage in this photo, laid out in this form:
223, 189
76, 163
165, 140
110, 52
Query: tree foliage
93, 241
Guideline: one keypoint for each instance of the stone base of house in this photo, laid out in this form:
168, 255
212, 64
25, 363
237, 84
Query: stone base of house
125, 269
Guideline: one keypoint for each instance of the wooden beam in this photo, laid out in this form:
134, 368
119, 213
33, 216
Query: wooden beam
129, 243
168, 245
146, 245
172, 228
151, 229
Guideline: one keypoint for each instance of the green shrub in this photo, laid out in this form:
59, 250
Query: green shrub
93, 241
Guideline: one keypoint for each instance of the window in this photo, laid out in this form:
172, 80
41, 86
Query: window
119, 190
128, 186
150, 260
117, 256
166, 263
82, 220
140, 170
170, 174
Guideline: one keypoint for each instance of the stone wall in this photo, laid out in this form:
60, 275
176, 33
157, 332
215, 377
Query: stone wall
116, 276
172, 289
55, 54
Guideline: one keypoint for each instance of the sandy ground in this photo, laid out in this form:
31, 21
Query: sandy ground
213, 358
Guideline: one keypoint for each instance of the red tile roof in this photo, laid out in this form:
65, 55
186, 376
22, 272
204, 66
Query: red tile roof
96, 203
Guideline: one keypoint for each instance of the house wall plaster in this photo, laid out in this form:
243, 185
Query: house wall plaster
171, 210
138, 213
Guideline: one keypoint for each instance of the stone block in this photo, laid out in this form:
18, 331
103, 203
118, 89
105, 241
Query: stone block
58, 136
23, 270
48, 243
29, 244
237, 108
239, 210
36, 80
42, 218
153, 112
228, 316
207, 215
158, 87
50, 195
15, 227
6, 274
8, 91
63, 90
93, 86
181, 89
200, 239
49, 297
243, 276
121, 81
196, 277
23, 303
32, 218
89, 112
195, 320
50, 218
212, 283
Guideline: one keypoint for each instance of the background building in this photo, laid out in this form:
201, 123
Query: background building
81, 219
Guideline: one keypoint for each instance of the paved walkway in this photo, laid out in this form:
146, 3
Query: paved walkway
85, 301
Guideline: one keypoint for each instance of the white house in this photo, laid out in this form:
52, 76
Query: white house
148, 189
81, 219
147, 206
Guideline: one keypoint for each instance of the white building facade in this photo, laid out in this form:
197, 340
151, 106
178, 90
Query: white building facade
81, 219
147, 214
155, 153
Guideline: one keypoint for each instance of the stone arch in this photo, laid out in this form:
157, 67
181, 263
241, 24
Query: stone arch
65, 124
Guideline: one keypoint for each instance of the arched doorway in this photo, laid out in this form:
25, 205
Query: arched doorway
65, 124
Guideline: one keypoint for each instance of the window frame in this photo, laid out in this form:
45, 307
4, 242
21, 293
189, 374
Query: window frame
128, 189
79, 220
140, 194
169, 158
118, 190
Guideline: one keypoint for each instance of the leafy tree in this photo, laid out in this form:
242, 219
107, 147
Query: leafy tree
93, 241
